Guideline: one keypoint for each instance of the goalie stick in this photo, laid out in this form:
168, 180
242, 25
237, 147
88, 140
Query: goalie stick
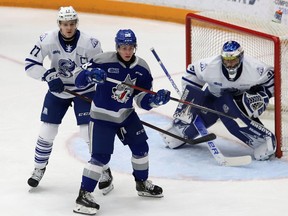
198, 123
215, 151
208, 137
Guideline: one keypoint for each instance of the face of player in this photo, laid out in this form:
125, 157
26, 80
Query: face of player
231, 64
68, 28
126, 52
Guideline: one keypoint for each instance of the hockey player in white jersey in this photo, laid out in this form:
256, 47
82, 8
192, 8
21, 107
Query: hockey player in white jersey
67, 48
232, 83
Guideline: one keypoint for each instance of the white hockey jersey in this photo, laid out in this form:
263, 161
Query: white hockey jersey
64, 57
209, 71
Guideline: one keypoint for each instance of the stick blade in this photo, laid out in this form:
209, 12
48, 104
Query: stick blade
237, 161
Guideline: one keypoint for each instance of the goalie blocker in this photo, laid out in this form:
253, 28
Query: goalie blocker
251, 131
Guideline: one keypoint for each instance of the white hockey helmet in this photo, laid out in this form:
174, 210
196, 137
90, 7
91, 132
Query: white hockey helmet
67, 14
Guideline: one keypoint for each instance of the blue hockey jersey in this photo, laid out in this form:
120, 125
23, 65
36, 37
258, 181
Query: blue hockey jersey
114, 102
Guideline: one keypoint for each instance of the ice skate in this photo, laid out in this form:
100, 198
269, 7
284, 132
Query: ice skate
85, 204
36, 177
105, 182
147, 189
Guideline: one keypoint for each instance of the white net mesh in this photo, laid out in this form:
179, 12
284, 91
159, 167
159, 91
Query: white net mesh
207, 39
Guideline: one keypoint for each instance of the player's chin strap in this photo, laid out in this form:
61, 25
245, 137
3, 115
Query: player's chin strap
198, 123
208, 137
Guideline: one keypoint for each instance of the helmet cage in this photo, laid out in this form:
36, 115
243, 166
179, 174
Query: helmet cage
232, 57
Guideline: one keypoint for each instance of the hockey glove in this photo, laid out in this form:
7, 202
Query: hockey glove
255, 89
255, 103
95, 75
54, 82
160, 98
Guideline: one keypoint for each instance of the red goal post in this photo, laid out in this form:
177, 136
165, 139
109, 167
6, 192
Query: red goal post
206, 33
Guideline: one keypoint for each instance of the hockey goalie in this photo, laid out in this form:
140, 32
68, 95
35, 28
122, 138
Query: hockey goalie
232, 83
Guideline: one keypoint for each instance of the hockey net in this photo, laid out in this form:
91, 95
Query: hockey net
206, 33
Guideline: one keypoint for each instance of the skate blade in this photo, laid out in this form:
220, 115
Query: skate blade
107, 190
146, 194
80, 209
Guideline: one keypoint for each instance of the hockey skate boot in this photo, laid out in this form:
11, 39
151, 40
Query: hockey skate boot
147, 189
85, 203
36, 177
105, 182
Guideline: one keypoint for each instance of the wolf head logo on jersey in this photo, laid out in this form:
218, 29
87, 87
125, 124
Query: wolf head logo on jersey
66, 66
121, 92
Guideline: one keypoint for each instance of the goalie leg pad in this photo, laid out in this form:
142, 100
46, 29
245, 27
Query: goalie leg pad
253, 133
172, 142
265, 150
195, 95
184, 116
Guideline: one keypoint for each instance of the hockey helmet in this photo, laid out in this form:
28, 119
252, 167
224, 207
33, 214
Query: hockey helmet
67, 14
125, 37
232, 57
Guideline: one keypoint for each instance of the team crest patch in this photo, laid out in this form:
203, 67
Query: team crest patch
202, 66
192, 69
43, 36
66, 66
94, 42
260, 70
121, 92
225, 108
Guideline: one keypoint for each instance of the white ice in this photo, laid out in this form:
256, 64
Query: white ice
193, 183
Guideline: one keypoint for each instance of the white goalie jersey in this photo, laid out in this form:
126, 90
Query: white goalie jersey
64, 57
209, 71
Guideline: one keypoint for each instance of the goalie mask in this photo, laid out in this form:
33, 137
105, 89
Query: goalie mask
232, 58
67, 14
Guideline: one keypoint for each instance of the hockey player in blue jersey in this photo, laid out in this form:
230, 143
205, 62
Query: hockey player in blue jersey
67, 48
235, 84
112, 113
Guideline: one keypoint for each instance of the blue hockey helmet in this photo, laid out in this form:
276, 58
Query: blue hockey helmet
125, 37
232, 57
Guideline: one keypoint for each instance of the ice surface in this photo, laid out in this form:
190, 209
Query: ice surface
193, 183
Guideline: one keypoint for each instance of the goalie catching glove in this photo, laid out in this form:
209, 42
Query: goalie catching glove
255, 103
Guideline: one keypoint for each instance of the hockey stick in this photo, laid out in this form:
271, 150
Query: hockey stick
215, 151
166, 71
171, 98
198, 123
206, 138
